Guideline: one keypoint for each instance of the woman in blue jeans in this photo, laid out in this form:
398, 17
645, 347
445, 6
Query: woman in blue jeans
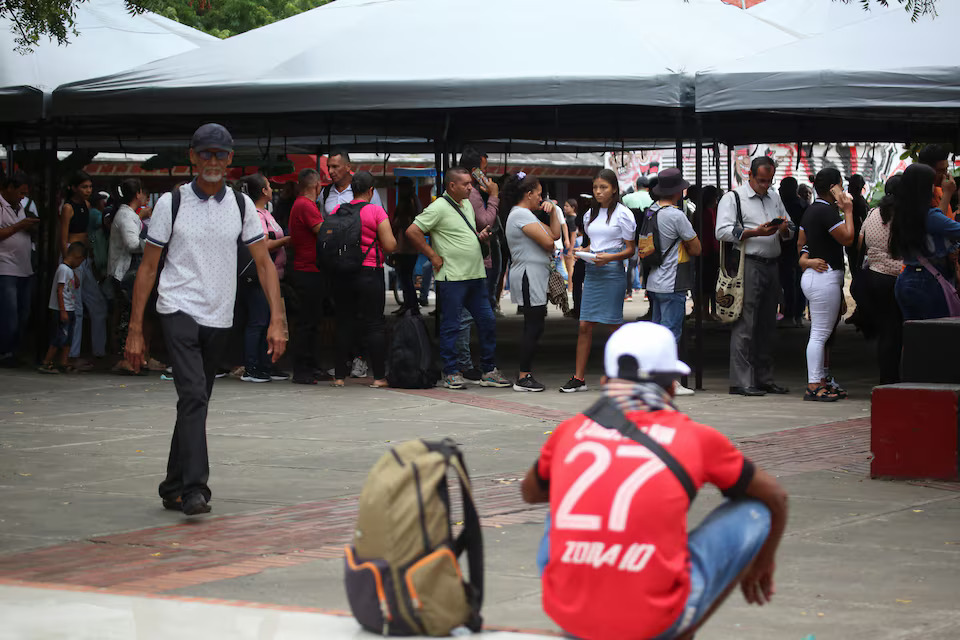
923, 237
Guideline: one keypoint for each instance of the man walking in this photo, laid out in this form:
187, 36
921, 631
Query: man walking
461, 279
753, 216
200, 226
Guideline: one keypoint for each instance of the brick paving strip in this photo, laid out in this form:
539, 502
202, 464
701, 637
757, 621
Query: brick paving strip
161, 559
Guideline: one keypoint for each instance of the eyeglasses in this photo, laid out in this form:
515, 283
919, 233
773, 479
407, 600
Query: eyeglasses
206, 155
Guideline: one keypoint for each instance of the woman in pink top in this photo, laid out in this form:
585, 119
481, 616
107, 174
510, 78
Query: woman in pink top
359, 297
258, 366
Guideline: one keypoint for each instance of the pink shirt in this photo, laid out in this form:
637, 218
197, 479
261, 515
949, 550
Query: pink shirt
371, 216
270, 224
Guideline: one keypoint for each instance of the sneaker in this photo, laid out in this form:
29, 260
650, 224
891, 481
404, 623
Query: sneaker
453, 381
359, 369
222, 373
494, 379
681, 390
573, 385
167, 374
252, 375
279, 376
528, 383
473, 375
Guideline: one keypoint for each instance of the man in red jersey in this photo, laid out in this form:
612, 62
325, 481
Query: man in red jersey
620, 478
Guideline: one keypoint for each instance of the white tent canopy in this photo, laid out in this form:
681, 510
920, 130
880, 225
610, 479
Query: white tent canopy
883, 61
109, 40
416, 54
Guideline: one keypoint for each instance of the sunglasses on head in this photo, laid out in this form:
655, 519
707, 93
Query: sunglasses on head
206, 155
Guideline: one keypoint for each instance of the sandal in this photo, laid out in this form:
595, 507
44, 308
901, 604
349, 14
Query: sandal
835, 388
338, 384
820, 394
69, 368
383, 385
48, 367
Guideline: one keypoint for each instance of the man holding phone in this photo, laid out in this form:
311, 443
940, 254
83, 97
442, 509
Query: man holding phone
461, 281
753, 217
16, 271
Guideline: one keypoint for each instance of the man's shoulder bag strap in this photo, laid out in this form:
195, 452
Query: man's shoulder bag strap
484, 249
605, 413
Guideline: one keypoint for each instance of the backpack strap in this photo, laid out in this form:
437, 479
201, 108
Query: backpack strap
606, 413
324, 194
242, 205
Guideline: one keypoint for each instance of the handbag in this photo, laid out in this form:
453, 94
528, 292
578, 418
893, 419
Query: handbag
949, 291
729, 293
557, 290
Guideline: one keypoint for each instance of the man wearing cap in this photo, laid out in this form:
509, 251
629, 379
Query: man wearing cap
753, 216
197, 289
667, 285
616, 558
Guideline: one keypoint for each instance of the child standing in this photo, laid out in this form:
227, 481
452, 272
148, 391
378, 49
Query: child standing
63, 300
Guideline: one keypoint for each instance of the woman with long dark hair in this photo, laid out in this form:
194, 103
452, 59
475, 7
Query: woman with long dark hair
74, 227
405, 258
125, 253
880, 280
609, 234
923, 237
258, 366
359, 297
531, 248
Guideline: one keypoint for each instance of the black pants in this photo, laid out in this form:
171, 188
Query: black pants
579, 271
885, 311
794, 301
358, 299
405, 265
311, 289
534, 319
194, 352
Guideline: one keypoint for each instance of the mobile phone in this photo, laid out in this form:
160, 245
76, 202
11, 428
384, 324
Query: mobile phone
837, 191
479, 177
776, 222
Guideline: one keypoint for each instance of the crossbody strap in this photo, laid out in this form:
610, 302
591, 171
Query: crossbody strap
605, 413
465, 221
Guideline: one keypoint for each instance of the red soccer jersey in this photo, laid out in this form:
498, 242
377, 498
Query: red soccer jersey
619, 565
304, 215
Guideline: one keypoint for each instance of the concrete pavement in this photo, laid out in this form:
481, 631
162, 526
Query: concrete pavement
81, 456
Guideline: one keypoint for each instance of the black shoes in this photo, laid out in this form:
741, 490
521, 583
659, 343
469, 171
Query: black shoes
195, 505
173, 505
773, 387
528, 383
747, 391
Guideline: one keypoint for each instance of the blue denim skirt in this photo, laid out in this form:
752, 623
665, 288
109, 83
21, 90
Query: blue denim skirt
603, 291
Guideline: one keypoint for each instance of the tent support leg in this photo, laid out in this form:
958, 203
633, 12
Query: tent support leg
679, 161
729, 167
699, 302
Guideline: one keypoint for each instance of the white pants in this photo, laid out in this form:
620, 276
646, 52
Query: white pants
824, 292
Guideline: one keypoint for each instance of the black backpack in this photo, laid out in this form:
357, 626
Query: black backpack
339, 248
410, 361
246, 268
649, 244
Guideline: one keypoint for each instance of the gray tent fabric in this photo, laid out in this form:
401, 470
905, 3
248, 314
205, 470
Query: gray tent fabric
882, 61
415, 54
109, 40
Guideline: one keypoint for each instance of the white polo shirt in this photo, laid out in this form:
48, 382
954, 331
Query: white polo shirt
199, 277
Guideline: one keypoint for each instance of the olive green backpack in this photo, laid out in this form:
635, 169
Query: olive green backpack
402, 572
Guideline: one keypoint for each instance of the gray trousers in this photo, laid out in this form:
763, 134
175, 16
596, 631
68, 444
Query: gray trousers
751, 341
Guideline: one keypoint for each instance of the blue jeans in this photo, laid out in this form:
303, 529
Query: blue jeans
453, 298
15, 302
919, 295
464, 359
721, 547
91, 300
426, 279
668, 310
255, 333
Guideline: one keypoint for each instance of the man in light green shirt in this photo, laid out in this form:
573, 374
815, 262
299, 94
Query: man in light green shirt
639, 199
460, 276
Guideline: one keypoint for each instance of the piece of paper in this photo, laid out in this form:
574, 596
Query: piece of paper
586, 256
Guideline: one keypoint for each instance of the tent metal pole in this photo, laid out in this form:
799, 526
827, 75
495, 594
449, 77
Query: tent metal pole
698, 299
729, 167
679, 162
716, 160
48, 249
439, 159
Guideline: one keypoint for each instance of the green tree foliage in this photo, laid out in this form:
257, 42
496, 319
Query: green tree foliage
915, 8
56, 19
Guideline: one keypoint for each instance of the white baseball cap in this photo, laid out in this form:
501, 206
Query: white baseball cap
641, 350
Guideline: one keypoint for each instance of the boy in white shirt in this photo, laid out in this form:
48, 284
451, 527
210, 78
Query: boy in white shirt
63, 301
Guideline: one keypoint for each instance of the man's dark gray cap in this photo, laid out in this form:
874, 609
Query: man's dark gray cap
212, 136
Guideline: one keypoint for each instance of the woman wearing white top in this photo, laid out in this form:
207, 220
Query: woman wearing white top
123, 258
609, 233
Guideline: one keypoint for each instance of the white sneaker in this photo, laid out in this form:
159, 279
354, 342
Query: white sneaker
681, 390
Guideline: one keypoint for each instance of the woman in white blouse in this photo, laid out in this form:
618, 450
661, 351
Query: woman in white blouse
124, 255
609, 234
